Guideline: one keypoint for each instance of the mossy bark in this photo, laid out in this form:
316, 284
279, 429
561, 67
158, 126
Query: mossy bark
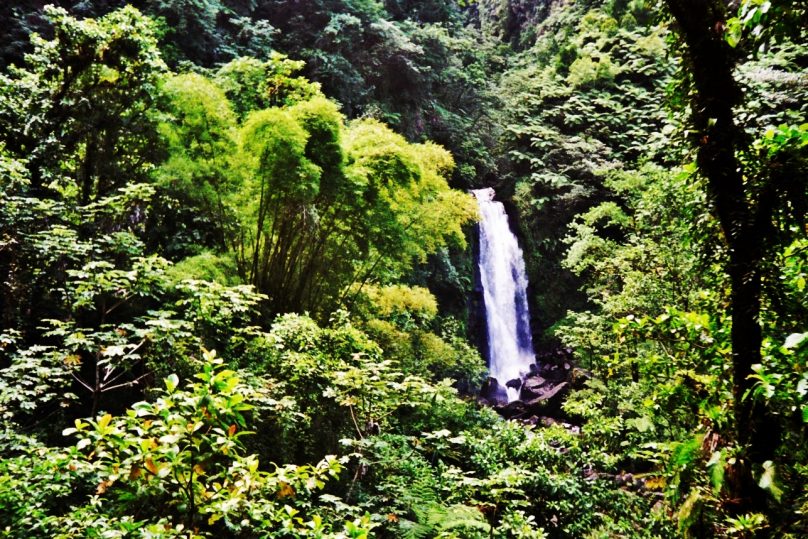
710, 65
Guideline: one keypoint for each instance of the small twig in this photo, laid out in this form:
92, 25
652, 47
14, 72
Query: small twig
118, 304
356, 425
126, 384
82, 382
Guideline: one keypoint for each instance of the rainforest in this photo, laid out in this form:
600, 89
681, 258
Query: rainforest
524, 269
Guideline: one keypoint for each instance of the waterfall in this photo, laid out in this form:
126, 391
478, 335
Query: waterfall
504, 283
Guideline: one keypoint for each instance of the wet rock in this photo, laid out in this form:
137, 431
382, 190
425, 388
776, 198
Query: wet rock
532, 420
533, 387
494, 393
629, 481
372, 428
549, 402
579, 377
541, 392
555, 393
553, 373
490, 387
512, 410
516, 383
547, 421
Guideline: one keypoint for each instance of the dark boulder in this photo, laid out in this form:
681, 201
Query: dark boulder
512, 410
547, 421
516, 383
549, 402
494, 393
553, 373
533, 387
579, 377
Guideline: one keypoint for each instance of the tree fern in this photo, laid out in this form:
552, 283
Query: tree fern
435, 520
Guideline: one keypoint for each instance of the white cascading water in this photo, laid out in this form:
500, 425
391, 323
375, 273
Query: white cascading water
504, 282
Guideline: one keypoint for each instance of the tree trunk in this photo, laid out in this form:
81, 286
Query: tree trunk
710, 64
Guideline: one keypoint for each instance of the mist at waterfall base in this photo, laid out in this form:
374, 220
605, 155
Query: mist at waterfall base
504, 282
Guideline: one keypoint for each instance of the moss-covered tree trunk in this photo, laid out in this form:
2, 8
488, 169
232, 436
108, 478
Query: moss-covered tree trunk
710, 63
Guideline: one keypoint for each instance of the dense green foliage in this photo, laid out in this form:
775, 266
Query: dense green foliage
235, 266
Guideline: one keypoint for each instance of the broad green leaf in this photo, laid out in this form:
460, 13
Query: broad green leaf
767, 480
795, 339
104, 421
172, 381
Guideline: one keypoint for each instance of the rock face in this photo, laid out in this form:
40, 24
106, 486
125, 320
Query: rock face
512, 21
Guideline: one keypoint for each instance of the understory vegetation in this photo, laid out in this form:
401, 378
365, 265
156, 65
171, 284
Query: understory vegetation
237, 269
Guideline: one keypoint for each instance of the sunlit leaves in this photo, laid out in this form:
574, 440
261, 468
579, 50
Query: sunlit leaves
412, 211
768, 480
199, 128
273, 145
323, 206
251, 84
36, 379
184, 452
794, 340
82, 97
761, 22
